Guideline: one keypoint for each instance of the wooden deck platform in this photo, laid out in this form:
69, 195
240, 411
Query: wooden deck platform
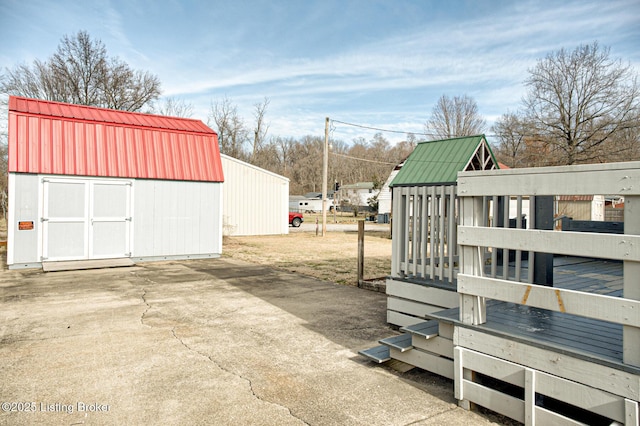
585, 338
579, 273
596, 276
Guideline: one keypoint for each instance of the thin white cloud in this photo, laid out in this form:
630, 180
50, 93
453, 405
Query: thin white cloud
309, 71
487, 49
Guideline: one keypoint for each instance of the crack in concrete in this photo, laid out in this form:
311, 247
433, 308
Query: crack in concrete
255, 395
173, 332
143, 296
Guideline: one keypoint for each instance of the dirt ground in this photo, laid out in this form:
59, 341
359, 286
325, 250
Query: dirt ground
330, 258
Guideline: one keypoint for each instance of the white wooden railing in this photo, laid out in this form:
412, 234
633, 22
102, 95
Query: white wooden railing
424, 233
476, 239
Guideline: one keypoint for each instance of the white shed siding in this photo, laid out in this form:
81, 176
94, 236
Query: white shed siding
255, 201
176, 218
24, 197
169, 219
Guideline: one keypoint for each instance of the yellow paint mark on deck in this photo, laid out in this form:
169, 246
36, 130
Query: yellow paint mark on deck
526, 295
560, 302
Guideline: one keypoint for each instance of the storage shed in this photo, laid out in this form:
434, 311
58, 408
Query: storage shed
256, 201
92, 184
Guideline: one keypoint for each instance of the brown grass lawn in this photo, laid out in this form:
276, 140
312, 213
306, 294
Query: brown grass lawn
330, 258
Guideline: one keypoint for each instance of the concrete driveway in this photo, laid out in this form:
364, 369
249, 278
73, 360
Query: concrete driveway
202, 342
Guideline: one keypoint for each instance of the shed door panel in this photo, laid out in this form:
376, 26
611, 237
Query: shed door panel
110, 220
86, 219
65, 224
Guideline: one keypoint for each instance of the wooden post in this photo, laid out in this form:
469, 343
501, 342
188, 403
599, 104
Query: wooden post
472, 308
543, 262
325, 166
360, 252
631, 289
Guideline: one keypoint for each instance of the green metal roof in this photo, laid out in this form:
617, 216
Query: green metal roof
438, 162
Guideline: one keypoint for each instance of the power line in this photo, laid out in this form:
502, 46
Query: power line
362, 126
362, 159
488, 135
379, 129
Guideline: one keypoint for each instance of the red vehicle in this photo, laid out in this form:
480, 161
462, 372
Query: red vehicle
295, 219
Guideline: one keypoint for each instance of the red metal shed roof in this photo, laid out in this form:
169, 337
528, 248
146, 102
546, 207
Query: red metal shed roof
65, 139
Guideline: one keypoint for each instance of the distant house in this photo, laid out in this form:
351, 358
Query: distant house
360, 193
384, 197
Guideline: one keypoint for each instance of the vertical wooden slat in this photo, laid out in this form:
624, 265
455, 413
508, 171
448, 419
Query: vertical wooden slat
441, 233
433, 225
424, 236
451, 238
631, 290
396, 234
505, 252
529, 397
472, 309
519, 226
631, 412
532, 221
458, 389
415, 232
484, 222
406, 231
494, 250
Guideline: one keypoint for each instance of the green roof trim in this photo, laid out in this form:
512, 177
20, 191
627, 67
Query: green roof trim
438, 162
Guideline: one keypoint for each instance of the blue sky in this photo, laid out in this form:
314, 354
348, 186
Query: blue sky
372, 62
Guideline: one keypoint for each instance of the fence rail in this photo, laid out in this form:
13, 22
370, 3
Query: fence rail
479, 194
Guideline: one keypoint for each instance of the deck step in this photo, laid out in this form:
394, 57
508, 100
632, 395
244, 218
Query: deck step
378, 354
401, 342
427, 329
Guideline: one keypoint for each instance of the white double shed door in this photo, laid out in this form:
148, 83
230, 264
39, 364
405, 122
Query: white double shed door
86, 218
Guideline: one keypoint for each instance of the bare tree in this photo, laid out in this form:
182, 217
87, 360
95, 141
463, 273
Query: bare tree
173, 107
80, 72
513, 133
261, 128
232, 133
454, 117
579, 100
284, 147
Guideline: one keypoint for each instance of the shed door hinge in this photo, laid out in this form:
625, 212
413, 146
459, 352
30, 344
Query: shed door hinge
44, 219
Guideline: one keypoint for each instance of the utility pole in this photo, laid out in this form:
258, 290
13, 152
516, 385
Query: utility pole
325, 168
